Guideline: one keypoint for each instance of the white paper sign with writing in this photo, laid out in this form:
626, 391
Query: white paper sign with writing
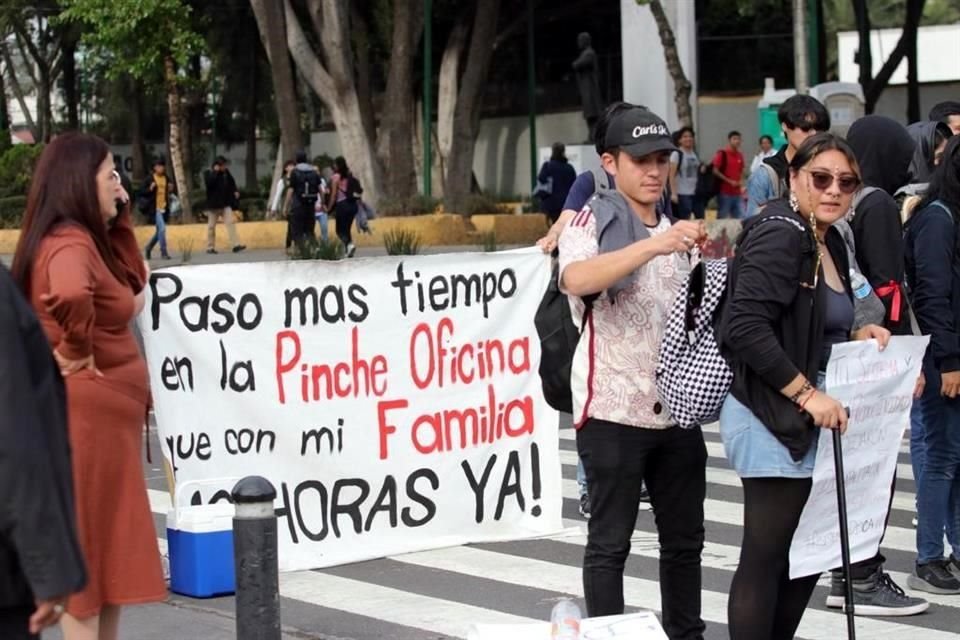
877, 386
394, 403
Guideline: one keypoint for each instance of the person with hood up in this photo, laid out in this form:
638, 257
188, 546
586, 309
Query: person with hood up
933, 272
884, 152
931, 138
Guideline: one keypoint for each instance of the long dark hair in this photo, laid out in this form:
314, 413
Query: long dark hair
63, 191
945, 182
340, 164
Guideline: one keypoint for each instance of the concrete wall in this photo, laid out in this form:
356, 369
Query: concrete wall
720, 116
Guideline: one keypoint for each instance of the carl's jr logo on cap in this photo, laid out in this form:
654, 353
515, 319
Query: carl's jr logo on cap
650, 129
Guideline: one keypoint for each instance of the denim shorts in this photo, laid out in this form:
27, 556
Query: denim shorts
753, 451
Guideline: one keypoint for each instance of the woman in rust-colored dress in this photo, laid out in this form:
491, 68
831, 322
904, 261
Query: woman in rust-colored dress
77, 262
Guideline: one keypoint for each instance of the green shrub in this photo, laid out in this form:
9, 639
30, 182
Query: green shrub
313, 249
253, 208
11, 211
16, 168
481, 203
488, 241
401, 242
323, 161
417, 205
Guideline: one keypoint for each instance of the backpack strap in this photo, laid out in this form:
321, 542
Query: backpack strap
775, 181
601, 182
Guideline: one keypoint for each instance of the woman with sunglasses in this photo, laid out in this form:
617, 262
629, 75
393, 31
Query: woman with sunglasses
789, 300
79, 265
933, 273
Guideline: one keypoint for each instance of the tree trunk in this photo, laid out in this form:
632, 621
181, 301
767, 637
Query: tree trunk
250, 162
447, 90
138, 152
398, 117
18, 91
360, 37
5, 140
272, 25
337, 89
864, 57
681, 86
70, 90
176, 141
914, 13
466, 116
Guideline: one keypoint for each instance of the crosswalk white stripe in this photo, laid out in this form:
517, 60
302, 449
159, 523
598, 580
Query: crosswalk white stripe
729, 478
715, 450
638, 592
723, 512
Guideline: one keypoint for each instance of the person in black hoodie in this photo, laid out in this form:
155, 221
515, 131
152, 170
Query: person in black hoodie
789, 300
222, 196
40, 558
933, 273
884, 152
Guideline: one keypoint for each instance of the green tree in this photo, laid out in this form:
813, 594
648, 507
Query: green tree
143, 38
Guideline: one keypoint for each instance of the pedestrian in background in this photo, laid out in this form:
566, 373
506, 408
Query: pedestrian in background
684, 175
344, 192
728, 165
800, 117
766, 151
40, 558
948, 113
222, 195
157, 192
278, 204
556, 175
306, 188
78, 264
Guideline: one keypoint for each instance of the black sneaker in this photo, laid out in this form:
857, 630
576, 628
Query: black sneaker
953, 564
239, 248
212, 251
877, 595
934, 577
585, 506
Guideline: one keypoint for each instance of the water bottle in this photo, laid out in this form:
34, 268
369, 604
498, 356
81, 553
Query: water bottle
565, 620
858, 283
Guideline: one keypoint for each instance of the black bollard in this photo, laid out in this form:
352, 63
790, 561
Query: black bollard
255, 560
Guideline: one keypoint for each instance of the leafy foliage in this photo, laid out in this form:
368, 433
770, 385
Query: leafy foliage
402, 242
313, 249
16, 168
136, 35
417, 205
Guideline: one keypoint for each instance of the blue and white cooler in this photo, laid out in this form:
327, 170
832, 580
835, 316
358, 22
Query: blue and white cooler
200, 546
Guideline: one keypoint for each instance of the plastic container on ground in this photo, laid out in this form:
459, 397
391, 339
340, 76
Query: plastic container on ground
565, 620
200, 547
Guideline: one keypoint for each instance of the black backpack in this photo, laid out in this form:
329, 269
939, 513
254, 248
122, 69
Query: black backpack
558, 342
306, 185
354, 189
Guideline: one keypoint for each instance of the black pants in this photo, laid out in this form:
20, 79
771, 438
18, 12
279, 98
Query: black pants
765, 604
345, 212
672, 463
301, 224
15, 623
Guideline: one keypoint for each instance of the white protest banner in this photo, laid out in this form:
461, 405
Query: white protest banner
393, 402
642, 625
877, 386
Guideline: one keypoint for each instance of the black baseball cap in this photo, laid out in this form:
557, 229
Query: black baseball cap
638, 132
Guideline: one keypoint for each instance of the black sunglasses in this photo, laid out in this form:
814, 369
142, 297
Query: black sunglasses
822, 181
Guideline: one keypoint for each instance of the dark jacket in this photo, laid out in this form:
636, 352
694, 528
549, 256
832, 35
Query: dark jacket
40, 557
924, 136
884, 152
779, 163
772, 325
150, 198
933, 273
561, 175
221, 188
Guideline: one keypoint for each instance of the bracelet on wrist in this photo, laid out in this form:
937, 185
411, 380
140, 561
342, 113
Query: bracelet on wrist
795, 398
803, 405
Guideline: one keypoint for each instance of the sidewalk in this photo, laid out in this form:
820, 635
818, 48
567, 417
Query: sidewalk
185, 619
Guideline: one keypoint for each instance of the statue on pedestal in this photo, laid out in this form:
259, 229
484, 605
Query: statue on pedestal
587, 70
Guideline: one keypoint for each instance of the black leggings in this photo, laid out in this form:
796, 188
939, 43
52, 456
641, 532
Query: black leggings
345, 212
765, 604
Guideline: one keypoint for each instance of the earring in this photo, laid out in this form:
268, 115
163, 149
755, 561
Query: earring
794, 203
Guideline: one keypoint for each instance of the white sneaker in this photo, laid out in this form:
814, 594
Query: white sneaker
351, 249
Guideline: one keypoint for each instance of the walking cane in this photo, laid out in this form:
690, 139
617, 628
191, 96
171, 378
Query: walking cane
844, 534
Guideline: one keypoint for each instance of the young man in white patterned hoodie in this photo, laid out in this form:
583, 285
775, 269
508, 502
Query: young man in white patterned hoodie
618, 247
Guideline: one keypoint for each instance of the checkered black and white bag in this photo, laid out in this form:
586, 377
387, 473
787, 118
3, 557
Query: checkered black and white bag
693, 378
